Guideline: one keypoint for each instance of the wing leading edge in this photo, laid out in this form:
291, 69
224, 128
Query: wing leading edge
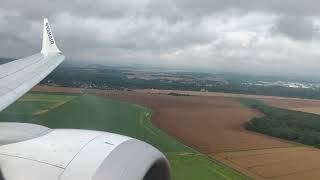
19, 76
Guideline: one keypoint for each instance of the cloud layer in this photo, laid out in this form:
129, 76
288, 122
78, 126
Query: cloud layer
249, 36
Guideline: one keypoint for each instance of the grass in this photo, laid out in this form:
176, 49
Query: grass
24, 109
95, 113
291, 125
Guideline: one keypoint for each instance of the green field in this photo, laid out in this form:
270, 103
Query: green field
95, 113
291, 125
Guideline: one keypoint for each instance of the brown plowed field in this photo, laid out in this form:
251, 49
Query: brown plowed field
298, 104
209, 124
310, 106
213, 125
295, 163
56, 89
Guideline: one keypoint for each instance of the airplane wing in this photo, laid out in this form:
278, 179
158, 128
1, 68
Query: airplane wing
34, 152
19, 76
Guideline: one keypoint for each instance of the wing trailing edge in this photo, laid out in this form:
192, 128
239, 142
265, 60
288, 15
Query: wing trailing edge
48, 43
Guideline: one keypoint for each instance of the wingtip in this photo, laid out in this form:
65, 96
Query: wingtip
45, 20
48, 42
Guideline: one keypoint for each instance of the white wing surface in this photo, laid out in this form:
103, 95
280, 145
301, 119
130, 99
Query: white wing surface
34, 152
19, 76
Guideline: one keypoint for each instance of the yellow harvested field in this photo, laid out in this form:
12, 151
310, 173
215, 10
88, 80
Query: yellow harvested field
276, 163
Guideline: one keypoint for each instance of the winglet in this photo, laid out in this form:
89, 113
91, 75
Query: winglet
48, 42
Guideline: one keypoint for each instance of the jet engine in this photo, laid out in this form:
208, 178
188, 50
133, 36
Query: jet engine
34, 152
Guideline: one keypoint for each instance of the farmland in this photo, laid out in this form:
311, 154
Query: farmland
212, 123
303, 105
214, 126
58, 110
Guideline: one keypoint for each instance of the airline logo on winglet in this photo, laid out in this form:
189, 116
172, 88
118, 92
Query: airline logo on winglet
50, 36
48, 42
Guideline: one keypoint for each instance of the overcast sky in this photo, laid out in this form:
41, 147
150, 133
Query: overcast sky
248, 36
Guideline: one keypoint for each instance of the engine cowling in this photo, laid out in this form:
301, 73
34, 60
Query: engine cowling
67, 154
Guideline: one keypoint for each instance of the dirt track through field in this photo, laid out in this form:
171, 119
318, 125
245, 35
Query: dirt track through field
214, 125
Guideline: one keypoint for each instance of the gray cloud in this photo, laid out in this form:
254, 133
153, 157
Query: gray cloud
296, 27
290, 7
96, 8
233, 35
168, 9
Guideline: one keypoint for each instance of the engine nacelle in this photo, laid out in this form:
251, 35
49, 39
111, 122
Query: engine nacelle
67, 154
